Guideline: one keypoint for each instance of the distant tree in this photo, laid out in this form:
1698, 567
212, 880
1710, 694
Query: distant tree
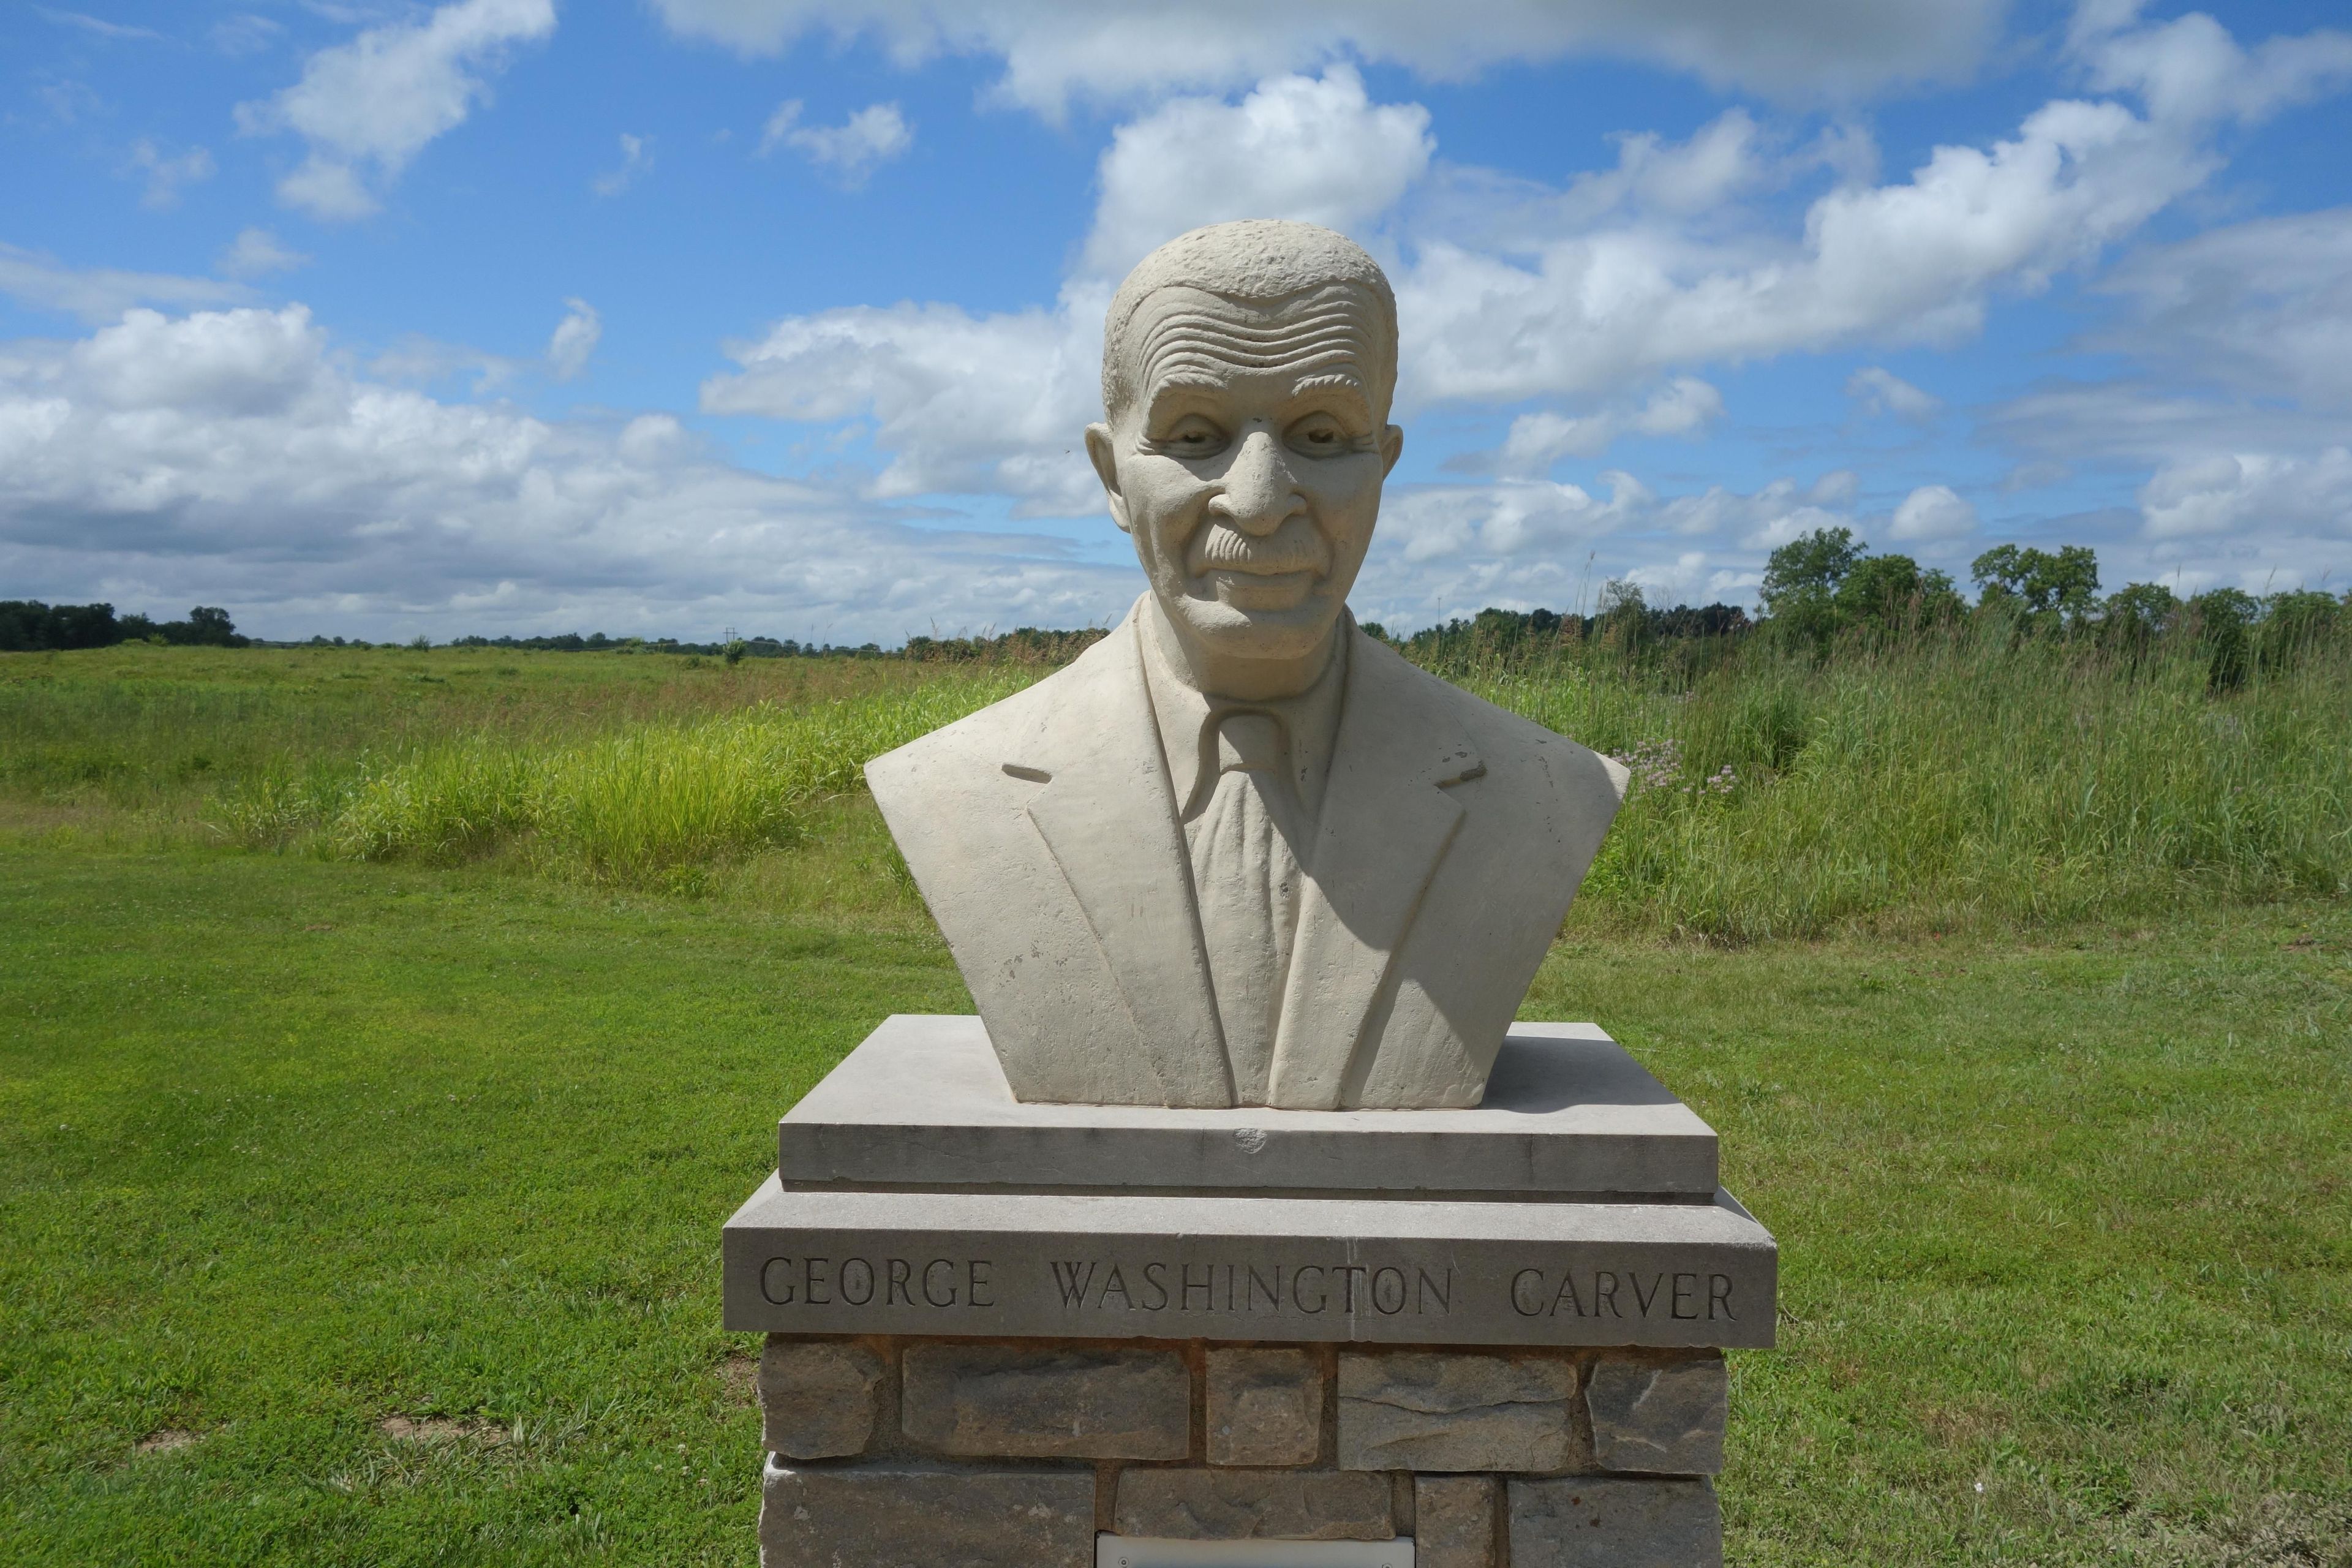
29, 625
2037, 582
2223, 619
207, 625
1801, 579
1890, 593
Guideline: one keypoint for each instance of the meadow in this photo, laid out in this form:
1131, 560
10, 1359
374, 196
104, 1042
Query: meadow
390, 1030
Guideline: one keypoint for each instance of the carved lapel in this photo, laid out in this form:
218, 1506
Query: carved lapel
1108, 815
1386, 824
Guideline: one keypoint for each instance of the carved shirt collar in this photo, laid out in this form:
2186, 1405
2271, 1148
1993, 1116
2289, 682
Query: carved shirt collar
1188, 720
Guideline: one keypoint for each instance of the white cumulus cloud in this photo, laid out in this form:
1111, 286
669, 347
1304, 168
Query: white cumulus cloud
1934, 512
849, 152
166, 174
1684, 407
1318, 150
255, 253
1881, 390
234, 457
368, 107
574, 339
636, 158
1053, 51
100, 293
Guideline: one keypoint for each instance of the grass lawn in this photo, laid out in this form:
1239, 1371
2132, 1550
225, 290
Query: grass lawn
364, 1214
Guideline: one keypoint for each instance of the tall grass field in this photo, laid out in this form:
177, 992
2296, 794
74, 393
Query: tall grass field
1959, 775
384, 1035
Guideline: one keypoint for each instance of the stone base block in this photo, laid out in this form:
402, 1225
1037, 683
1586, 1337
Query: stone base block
1251, 1505
1421, 1411
923, 1516
1602, 1522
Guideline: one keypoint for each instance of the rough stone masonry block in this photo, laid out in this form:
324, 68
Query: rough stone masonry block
1453, 1521
1658, 1416
1612, 1522
925, 1516
1253, 1505
1420, 1410
1265, 1408
1020, 1402
816, 1397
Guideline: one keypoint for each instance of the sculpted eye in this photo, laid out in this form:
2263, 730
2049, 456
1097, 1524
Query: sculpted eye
1193, 439
1318, 436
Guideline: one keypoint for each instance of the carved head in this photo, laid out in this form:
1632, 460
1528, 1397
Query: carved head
1247, 369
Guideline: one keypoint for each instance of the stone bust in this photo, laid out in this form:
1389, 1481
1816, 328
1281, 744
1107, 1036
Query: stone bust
1239, 852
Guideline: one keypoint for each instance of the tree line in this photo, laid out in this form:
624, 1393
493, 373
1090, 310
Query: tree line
29, 625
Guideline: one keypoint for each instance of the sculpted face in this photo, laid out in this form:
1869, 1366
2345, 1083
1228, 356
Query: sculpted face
1246, 464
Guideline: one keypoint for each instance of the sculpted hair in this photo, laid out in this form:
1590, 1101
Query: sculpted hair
1258, 262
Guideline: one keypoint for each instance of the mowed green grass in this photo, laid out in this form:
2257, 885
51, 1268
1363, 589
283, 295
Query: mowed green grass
293, 1147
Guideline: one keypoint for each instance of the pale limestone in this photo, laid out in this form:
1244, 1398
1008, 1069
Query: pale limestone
1264, 1406
1296, 1270
1437, 1411
1241, 1505
1608, 1521
1013, 1401
1663, 1416
1440, 840
926, 1516
922, 1104
817, 1397
1455, 1521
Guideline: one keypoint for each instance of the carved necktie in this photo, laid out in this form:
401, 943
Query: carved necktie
1248, 881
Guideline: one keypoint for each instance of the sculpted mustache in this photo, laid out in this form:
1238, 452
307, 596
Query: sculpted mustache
1222, 547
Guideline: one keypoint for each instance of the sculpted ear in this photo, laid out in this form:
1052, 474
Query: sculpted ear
1391, 447
1106, 462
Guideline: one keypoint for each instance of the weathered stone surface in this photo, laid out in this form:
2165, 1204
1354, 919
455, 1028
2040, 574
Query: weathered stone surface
1265, 1408
1249, 1270
1253, 1505
816, 1397
922, 1102
1433, 1411
924, 1516
1015, 1402
1455, 1519
1605, 1521
1665, 1417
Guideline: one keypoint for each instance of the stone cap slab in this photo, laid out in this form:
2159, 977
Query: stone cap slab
923, 1106
1264, 1269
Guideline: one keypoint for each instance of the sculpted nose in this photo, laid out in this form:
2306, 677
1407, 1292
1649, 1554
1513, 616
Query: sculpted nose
1259, 494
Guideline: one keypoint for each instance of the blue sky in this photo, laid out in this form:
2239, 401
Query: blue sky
383, 319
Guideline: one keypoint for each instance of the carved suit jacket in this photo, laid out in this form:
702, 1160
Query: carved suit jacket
1043, 832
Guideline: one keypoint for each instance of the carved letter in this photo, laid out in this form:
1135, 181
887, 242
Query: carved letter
1682, 1292
933, 1267
1652, 1295
1154, 1280
976, 1271
1381, 1281
1605, 1292
1115, 1281
1522, 1277
1258, 1282
816, 1273
1073, 1284
896, 1290
861, 1282
1206, 1286
1299, 1289
1568, 1294
1424, 1288
768, 1281
1718, 1294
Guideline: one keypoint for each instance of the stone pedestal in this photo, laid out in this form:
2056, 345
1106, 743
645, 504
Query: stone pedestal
1023, 1336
